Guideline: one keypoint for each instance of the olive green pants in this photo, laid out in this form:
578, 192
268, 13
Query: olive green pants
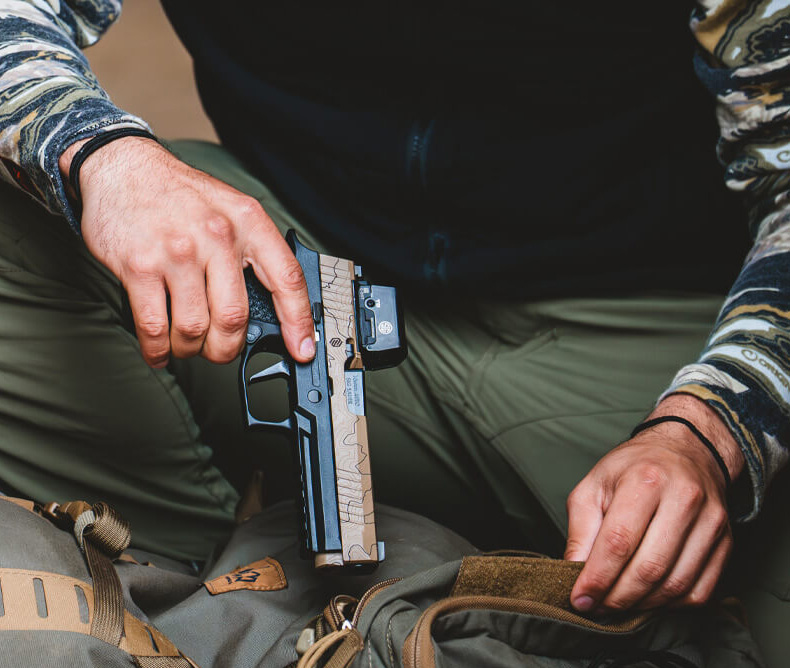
500, 409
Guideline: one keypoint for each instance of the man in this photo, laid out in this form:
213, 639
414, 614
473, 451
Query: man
535, 179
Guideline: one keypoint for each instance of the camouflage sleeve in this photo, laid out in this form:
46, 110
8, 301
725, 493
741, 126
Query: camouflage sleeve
48, 96
744, 372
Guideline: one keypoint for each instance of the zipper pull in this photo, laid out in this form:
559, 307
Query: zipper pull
339, 612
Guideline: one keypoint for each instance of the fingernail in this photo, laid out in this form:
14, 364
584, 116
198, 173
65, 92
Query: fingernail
583, 603
307, 349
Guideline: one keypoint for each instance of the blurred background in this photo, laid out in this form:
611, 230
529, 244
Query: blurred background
145, 69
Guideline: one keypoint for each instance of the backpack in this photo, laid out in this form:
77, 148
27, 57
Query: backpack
73, 594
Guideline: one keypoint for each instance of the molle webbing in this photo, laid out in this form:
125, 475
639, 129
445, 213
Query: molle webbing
43, 601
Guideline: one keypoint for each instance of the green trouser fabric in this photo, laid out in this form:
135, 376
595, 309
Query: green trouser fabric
500, 409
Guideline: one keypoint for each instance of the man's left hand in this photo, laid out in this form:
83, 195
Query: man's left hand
650, 519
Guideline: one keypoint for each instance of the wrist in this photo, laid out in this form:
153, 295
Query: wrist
708, 422
64, 162
84, 156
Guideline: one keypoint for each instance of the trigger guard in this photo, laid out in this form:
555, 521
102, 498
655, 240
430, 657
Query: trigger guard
261, 337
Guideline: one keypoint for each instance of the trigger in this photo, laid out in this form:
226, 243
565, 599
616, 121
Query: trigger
279, 370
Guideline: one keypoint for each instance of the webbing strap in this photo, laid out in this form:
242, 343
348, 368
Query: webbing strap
347, 652
350, 644
110, 532
107, 621
163, 662
103, 535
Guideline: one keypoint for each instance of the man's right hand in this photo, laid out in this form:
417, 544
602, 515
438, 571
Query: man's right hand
164, 228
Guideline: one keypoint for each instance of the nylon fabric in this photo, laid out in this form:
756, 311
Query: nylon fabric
110, 532
348, 644
163, 662
107, 622
102, 535
167, 609
104, 540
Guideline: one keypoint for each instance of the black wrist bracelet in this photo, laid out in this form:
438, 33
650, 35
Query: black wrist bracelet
693, 428
94, 144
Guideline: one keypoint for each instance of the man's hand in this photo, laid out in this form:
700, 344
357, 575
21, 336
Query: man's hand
166, 229
650, 519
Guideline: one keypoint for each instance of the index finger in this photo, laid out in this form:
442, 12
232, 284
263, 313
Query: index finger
621, 532
585, 516
279, 271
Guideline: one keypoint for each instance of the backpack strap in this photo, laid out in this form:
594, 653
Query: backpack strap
348, 643
103, 535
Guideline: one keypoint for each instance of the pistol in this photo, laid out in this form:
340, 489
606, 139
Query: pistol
358, 327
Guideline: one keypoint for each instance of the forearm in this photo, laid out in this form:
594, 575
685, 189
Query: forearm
49, 97
743, 375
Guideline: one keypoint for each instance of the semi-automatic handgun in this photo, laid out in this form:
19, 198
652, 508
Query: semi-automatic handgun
358, 327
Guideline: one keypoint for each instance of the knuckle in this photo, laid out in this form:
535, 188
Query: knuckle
191, 329
651, 571
720, 520
675, 587
152, 329
291, 278
619, 541
617, 603
222, 229
596, 583
651, 475
249, 207
690, 497
141, 265
231, 318
304, 322
181, 248
578, 497
151, 326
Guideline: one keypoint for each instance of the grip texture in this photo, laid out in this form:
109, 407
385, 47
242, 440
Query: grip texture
261, 305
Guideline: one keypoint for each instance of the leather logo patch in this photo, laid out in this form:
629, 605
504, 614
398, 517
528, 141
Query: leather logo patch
264, 575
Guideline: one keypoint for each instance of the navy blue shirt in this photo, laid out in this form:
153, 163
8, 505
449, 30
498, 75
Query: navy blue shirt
504, 147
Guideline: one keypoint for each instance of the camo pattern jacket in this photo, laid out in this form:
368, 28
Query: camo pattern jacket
49, 98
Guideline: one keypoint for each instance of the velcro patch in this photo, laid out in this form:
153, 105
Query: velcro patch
263, 575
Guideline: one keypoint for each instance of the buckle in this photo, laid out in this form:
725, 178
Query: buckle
50, 511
